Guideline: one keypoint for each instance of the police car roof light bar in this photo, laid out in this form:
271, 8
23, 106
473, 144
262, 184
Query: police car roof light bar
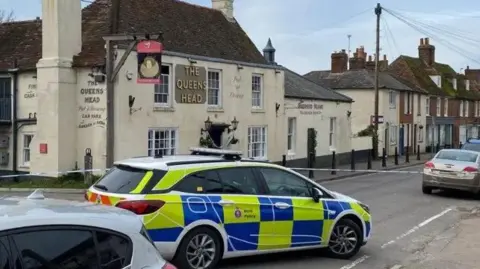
227, 154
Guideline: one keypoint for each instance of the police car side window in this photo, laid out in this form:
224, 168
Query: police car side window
283, 183
202, 182
5, 259
239, 180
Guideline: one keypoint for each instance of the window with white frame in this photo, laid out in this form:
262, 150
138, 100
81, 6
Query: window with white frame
445, 107
477, 108
439, 102
393, 133
162, 94
462, 109
406, 103
214, 91
419, 104
333, 131
467, 84
257, 142
291, 135
392, 99
162, 141
467, 108
257, 91
427, 106
27, 140
420, 135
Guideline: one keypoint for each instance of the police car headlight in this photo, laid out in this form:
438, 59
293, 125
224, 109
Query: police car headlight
365, 207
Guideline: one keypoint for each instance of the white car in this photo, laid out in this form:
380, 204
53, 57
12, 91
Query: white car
46, 233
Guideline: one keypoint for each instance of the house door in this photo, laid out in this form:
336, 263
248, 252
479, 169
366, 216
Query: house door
401, 146
216, 133
415, 138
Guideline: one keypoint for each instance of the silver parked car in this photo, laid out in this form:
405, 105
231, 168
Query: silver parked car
452, 169
36, 232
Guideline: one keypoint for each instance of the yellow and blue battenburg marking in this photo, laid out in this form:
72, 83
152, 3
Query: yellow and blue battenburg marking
251, 223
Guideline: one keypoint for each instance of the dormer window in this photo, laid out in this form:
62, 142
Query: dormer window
467, 84
437, 80
454, 82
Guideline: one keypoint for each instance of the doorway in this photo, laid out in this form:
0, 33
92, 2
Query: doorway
216, 134
415, 138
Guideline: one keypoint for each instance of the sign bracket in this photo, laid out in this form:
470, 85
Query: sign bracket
122, 61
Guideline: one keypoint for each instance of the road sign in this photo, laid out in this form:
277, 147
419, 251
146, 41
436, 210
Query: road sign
380, 119
149, 61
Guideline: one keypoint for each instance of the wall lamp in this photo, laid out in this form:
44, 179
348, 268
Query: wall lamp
208, 125
239, 67
234, 125
349, 113
277, 71
192, 61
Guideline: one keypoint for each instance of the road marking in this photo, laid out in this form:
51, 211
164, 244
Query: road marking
398, 266
355, 262
415, 228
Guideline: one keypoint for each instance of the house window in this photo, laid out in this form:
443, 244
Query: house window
427, 106
257, 91
292, 126
257, 142
162, 93
392, 99
393, 132
419, 104
466, 108
27, 140
462, 109
333, 130
477, 108
467, 85
445, 107
213, 88
439, 102
406, 103
162, 141
420, 135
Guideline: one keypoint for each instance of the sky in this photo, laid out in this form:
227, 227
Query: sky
306, 32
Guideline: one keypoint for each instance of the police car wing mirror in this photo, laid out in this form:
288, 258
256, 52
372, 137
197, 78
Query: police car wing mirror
316, 194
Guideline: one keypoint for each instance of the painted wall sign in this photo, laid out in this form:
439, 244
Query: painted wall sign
236, 95
31, 93
149, 61
310, 109
92, 111
190, 84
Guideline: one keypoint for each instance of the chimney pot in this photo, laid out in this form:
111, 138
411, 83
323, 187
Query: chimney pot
343, 50
468, 67
384, 57
369, 58
421, 41
427, 41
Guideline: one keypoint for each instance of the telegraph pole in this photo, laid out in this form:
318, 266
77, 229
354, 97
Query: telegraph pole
378, 12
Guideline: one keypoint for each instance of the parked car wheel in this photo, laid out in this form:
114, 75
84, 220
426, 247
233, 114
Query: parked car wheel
427, 190
201, 248
345, 240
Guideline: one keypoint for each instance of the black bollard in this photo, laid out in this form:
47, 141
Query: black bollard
334, 163
352, 160
384, 158
284, 160
407, 155
460, 145
312, 165
396, 155
369, 160
418, 152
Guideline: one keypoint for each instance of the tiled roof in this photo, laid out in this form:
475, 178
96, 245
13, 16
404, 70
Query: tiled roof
297, 86
357, 79
418, 73
187, 28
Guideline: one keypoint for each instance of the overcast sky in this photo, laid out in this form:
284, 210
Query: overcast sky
306, 32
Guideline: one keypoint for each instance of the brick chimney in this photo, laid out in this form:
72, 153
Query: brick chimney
370, 64
426, 52
339, 62
472, 74
358, 60
226, 7
383, 64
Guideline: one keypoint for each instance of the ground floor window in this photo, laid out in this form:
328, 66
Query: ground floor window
27, 140
257, 142
393, 133
162, 141
420, 135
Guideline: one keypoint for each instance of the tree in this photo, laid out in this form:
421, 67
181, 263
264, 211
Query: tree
6, 16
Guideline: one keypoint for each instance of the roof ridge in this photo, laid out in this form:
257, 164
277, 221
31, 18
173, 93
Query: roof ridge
20, 22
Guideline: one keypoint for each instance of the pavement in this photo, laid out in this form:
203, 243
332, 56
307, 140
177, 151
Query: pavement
410, 230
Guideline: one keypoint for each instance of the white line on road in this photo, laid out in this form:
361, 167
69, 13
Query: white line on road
398, 266
355, 262
415, 228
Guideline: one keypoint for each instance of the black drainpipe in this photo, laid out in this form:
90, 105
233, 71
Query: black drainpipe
14, 74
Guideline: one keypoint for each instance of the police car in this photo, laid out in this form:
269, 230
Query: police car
213, 204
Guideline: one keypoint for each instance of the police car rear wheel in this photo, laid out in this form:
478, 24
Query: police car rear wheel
345, 240
201, 248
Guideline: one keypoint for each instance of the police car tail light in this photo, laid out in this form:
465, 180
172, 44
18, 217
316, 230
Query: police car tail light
429, 165
169, 266
141, 207
470, 169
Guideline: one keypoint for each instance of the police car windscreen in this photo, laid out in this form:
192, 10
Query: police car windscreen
121, 179
471, 146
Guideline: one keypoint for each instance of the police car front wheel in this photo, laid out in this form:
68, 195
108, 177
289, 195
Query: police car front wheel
345, 240
199, 249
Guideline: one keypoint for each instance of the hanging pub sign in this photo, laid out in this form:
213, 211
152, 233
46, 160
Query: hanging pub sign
149, 61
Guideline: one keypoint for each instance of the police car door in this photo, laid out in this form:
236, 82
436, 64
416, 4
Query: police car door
299, 220
242, 210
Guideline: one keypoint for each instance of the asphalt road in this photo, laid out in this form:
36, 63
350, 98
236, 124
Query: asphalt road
404, 221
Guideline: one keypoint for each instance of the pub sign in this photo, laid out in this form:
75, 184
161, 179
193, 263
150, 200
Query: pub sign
149, 61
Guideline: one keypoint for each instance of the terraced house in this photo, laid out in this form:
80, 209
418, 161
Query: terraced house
400, 114
452, 108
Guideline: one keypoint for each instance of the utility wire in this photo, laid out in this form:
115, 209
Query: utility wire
392, 44
438, 39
